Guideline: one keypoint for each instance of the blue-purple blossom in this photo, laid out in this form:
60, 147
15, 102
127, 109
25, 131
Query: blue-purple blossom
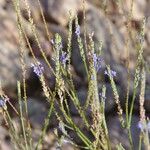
2, 103
97, 62
77, 32
142, 126
63, 58
38, 69
111, 74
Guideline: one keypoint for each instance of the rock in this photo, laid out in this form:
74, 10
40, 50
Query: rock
109, 101
55, 11
147, 11
77, 60
48, 140
68, 146
102, 28
82, 95
45, 44
37, 112
100, 25
147, 101
58, 10
2, 2
119, 135
81, 125
5, 140
34, 8
139, 8
9, 53
95, 2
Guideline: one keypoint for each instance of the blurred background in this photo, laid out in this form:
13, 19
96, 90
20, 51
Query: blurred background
109, 20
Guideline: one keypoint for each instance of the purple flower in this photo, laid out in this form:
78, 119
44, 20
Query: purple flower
63, 58
141, 126
112, 73
2, 103
77, 32
38, 69
97, 62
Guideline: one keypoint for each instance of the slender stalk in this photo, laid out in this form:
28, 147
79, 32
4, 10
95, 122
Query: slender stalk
21, 116
130, 139
140, 142
45, 125
45, 24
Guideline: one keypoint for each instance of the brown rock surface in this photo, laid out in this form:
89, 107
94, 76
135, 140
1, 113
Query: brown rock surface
9, 60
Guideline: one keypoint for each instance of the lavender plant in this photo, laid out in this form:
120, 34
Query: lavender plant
64, 88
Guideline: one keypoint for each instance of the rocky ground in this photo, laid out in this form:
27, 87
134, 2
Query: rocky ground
109, 26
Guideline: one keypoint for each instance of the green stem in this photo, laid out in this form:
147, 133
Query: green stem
21, 115
45, 125
140, 142
130, 139
86, 141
